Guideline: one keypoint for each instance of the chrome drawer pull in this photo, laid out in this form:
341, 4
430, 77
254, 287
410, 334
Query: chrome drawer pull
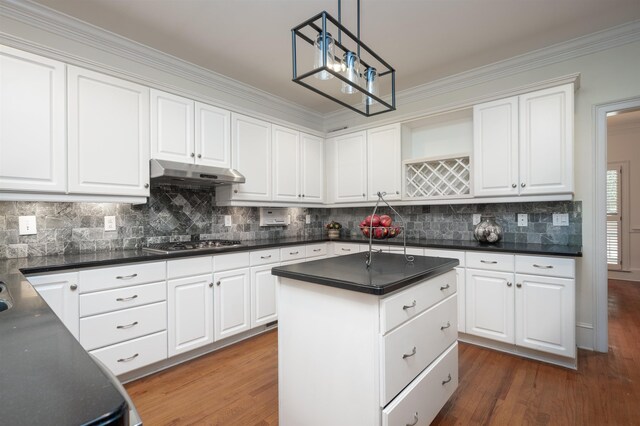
265, 257
293, 252
120, 327
543, 266
126, 299
489, 262
444, 327
445, 287
131, 358
126, 277
415, 419
413, 352
444, 382
344, 249
413, 305
316, 250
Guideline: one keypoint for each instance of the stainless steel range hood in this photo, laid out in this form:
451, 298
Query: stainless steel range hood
165, 172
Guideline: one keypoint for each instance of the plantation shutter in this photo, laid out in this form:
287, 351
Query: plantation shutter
614, 218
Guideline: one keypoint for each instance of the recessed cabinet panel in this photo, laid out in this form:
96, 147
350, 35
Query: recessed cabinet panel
264, 297
286, 164
190, 309
350, 162
213, 136
385, 160
171, 127
61, 293
232, 302
33, 123
312, 148
251, 143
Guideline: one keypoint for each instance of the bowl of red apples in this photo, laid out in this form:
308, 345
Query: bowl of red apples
379, 227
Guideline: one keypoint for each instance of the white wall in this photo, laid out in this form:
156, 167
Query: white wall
623, 145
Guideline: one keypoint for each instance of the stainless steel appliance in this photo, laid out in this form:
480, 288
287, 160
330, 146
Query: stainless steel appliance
165, 172
182, 246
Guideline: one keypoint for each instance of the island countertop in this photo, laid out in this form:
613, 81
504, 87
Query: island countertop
388, 271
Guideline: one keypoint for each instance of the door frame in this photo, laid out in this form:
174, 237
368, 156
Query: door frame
600, 268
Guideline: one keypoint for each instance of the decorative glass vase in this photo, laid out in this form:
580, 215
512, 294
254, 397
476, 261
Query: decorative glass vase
488, 231
333, 233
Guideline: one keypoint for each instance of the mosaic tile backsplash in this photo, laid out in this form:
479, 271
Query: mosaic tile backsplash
176, 214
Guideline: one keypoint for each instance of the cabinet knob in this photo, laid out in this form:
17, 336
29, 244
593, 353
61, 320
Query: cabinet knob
146, 186
199, 155
218, 283
302, 195
518, 285
513, 185
210, 284
523, 184
364, 195
193, 154
235, 191
299, 195
73, 287
509, 284
398, 192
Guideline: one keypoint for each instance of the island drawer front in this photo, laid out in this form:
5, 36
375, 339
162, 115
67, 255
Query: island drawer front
122, 298
264, 257
453, 254
426, 395
121, 276
548, 266
189, 267
409, 349
345, 248
227, 262
314, 250
490, 261
401, 307
292, 253
137, 353
106, 329
411, 251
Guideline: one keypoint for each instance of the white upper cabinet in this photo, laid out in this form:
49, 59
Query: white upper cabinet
213, 136
108, 136
251, 156
384, 162
286, 164
350, 168
312, 154
171, 127
524, 145
32, 89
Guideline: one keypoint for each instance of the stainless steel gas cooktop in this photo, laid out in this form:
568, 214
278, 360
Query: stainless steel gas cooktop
187, 246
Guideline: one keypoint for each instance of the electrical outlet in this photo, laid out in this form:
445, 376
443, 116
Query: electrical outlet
288, 219
523, 219
307, 219
476, 218
109, 223
27, 225
561, 219
227, 220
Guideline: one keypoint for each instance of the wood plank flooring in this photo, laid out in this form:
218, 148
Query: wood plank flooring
238, 385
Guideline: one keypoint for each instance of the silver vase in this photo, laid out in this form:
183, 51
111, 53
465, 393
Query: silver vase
488, 231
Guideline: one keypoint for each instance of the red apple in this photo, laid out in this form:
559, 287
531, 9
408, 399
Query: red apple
365, 231
392, 232
398, 230
380, 233
385, 220
372, 220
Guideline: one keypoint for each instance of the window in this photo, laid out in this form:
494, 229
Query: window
614, 218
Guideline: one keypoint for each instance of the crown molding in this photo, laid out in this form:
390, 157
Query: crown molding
57, 23
574, 48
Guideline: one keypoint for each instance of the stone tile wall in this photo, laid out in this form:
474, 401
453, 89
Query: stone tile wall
174, 214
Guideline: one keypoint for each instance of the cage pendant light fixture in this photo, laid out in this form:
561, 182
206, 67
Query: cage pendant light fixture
343, 69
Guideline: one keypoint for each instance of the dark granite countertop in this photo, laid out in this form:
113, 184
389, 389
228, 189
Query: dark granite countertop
388, 272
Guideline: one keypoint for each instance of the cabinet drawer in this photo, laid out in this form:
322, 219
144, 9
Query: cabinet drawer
226, 262
292, 253
345, 248
190, 266
315, 250
427, 394
490, 261
264, 257
134, 354
401, 307
122, 298
106, 329
410, 348
548, 266
411, 251
121, 276
453, 254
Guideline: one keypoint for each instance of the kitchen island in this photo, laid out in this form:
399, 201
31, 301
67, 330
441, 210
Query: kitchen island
362, 345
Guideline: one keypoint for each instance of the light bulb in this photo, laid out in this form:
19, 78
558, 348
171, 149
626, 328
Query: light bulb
317, 57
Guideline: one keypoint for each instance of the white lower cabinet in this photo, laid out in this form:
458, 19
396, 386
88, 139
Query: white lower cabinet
60, 291
133, 354
232, 302
264, 295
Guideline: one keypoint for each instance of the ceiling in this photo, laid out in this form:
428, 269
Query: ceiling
250, 40
624, 119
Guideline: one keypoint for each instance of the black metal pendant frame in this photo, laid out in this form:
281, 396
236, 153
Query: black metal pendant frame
296, 32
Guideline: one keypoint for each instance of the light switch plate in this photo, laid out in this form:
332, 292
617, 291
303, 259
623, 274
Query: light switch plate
561, 219
227, 220
307, 219
523, 219
288, 219
27, 225
109, 223
476, 218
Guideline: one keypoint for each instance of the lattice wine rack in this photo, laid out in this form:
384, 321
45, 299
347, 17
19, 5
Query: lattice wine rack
438, 178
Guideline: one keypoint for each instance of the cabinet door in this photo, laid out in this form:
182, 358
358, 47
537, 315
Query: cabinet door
264, 301
60, 291
171, 127
286, 164
545, 314
495, 148
350, 160
546, 141
213, 136
490, 305
384, 162
190, 319
462, 299
251, 147
312, 148
108, 135
232, 302
33, 123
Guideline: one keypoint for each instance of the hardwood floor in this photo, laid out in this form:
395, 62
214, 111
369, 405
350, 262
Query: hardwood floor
238, 385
